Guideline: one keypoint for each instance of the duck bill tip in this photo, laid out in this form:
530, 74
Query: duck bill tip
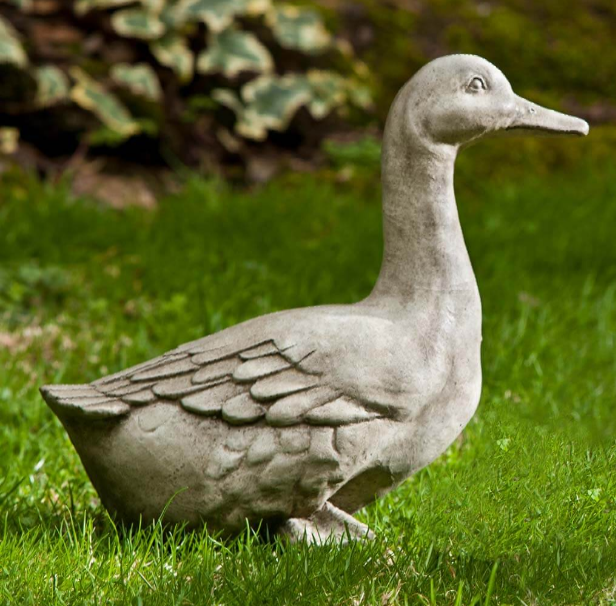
531, 117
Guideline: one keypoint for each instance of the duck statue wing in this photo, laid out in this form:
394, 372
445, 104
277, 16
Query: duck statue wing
240, 384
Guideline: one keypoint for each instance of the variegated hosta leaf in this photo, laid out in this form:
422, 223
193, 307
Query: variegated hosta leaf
84, 6
140, 79
155, 6
359, 94
255, 7
271, 103
329, 90
9, 137
298, 28
216, 14
173, 16
90, 95
137, 23
11, 50
233, 51
52, 85
229, 99
173, 52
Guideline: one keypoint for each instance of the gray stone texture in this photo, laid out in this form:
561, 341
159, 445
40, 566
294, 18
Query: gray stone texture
302, 417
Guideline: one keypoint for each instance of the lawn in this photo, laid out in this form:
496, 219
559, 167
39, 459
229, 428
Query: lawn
520, 510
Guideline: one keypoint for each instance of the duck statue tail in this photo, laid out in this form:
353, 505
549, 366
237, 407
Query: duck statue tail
69, 401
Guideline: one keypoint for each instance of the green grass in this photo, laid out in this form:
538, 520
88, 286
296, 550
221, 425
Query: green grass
521, 510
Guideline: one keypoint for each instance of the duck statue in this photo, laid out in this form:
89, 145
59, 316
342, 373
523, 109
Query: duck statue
297, 419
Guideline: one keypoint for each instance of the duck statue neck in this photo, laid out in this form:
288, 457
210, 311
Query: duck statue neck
297, 419
452, 102
423, 243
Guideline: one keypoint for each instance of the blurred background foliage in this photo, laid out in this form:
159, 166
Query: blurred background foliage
190, 80
244, 86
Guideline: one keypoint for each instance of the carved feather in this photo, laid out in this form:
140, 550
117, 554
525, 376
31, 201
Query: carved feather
83, 400
260, 367
210, 399
339, 412
282, 384
291, 409
162, 371
139, 398
265, 349
175, 388
215, 370
298, 352
242, 409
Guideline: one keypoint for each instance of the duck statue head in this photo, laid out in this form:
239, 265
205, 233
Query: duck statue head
458, 99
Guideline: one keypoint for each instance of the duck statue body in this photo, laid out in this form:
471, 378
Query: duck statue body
299, 418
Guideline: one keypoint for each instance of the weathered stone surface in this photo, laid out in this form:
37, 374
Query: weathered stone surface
263, 449
209, 400
242, 409
338, 412
175, 388
290, 410
260, 350
162, 371
294, 439
215, 370
257, 368
240, 439
141, 397
298, 352
281, 385
310, 414
223, 463
126, 387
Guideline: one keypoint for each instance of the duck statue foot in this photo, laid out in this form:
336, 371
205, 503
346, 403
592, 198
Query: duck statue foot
326, 524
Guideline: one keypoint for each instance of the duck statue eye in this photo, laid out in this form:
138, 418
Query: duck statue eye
476, 85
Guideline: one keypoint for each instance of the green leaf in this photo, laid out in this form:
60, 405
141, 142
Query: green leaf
329, 90
359, 94
9, 138
216, 14
90, 95
229, 99
52, 85
140, 79
270, 104
298, 28
137, 23
155, 6
105, 136
196, 106
11, 50
233, 51
85, 6
173, 52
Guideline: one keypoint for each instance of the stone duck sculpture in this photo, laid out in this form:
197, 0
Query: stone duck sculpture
299, 418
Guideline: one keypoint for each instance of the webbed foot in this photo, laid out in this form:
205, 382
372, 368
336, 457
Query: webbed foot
327, 522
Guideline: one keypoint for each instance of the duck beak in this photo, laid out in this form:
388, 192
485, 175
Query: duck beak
532, 117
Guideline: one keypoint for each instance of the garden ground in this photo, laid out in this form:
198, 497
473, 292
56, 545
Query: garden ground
520, 510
